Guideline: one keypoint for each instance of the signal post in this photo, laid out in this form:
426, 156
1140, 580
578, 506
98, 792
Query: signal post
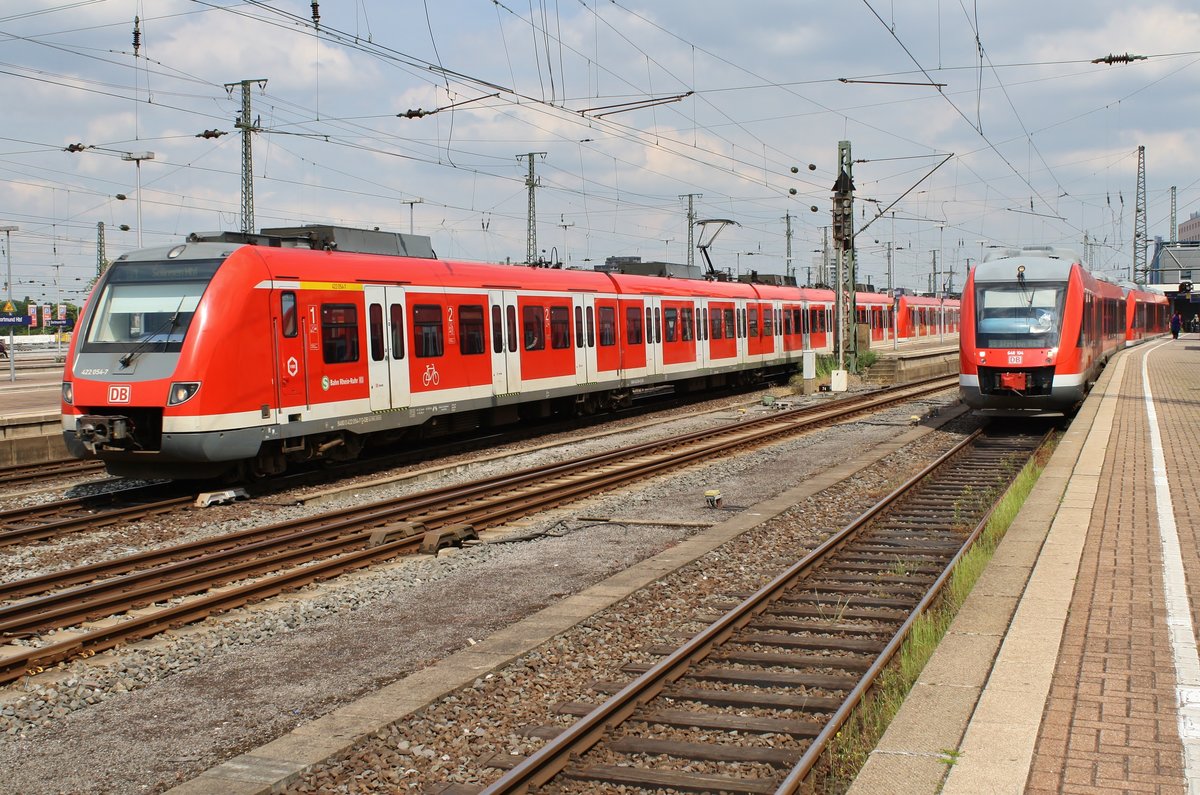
845, 332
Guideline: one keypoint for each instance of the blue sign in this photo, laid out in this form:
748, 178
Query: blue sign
14, 320
68, 323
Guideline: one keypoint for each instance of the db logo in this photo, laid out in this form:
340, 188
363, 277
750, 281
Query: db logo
119, 393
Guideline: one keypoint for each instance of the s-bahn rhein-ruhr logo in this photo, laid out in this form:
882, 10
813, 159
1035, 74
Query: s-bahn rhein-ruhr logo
327, 382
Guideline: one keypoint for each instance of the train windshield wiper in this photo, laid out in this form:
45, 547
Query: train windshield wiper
148, 339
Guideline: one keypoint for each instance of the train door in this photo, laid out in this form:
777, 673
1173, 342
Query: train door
387, 354
290, 357
505, 342
654, 351
584, 312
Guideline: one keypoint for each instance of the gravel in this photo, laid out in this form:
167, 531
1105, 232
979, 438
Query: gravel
143, 718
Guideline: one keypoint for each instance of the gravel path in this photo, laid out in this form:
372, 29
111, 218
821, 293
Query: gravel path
144, 718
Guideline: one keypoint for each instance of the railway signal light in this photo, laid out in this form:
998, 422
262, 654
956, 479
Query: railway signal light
843, 211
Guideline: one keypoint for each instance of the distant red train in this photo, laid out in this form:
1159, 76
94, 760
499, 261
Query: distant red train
1038, 328
220, 355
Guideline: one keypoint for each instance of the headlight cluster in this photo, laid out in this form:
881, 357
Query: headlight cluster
68, 393
182, 392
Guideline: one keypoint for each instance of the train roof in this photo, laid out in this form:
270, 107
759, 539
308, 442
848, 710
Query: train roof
1036, 269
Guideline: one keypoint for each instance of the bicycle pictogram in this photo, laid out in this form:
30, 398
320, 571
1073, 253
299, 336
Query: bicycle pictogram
430, 376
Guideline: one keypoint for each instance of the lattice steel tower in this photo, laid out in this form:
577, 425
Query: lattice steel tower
531, 182
1139, 221
247, 127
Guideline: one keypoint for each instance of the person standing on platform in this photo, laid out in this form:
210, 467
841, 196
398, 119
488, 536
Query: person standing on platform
1176, 325
3, 350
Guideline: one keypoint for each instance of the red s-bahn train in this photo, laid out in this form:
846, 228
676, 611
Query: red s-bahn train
247, 353
1038, 327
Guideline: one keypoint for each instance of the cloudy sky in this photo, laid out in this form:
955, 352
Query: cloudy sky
972, 123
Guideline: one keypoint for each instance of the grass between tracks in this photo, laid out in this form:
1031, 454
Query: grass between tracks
849, 749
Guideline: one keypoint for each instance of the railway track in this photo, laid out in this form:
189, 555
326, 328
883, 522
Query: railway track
22, 474
749, 704
53, 519
218, 574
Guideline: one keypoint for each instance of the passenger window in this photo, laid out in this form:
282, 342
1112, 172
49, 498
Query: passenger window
608, 326
730, 327
396, 311
670, 318
716, 324
686, 322
532, 320
560, 327
754, 322
470, 329
510, 314
579, 327
287, 309
658, 325
633, 326
497, 330
649, 325
339, 333
376, 320
427, 328
591, 328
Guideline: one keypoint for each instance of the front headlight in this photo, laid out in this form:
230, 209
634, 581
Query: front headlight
182, 392
68, 393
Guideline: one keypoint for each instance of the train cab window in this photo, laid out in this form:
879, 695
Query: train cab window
470, 329
339, 333
375, 319
1018, 315
591, 327
657, 325
731, 329
511, 328
497, 329
753, 321
427, 331
608, 326
396, 312
670, 322
685, 324
633, 326
579, 327
287, 311
533, 332
560, 327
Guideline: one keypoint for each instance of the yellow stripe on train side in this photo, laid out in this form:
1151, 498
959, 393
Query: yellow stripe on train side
348, 286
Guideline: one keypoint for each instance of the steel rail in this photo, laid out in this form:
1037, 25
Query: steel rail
551, 759
490, 511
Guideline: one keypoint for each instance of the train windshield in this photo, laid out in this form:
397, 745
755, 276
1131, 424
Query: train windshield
1019, 315
147, 304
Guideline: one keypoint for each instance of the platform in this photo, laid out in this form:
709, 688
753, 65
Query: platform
1073, 665
30, 416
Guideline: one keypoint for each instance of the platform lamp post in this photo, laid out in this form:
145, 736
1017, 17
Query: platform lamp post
137, 158
12, 351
